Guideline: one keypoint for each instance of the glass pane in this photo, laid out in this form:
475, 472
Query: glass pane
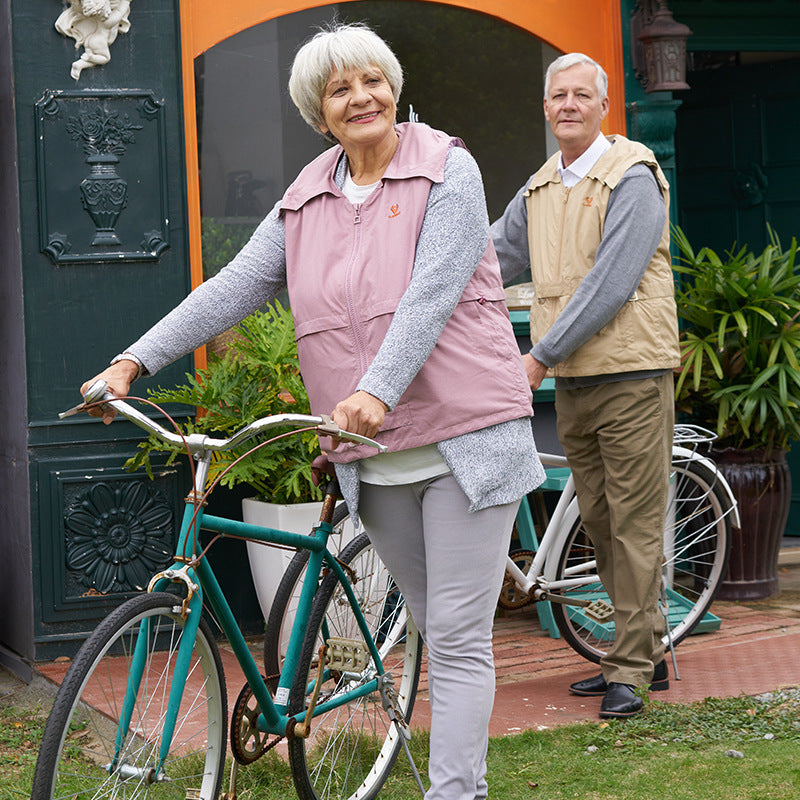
466, 73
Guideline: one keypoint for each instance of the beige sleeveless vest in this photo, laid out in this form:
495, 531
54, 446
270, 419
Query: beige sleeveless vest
565, 227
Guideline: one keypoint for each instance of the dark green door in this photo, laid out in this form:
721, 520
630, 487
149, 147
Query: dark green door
737, 155
738, 167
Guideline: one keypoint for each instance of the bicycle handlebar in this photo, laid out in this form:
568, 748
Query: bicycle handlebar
198, 442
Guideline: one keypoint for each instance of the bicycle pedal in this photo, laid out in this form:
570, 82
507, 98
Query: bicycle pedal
599, 610
193, 794
347, 655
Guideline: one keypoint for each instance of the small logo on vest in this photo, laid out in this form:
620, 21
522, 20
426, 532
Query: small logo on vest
395, 209
587, 202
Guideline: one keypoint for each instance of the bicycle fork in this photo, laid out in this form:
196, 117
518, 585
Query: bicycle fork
154, 773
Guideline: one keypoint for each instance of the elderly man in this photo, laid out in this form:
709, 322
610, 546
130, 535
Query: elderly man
592, 226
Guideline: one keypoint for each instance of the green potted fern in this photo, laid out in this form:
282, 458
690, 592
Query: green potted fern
256, 375
740, 376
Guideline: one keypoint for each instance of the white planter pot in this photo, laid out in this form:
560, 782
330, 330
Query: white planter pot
268, 563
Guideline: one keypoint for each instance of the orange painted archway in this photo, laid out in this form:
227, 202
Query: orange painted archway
593, 27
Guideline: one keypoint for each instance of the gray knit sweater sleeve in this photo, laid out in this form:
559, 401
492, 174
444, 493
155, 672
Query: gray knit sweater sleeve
252, 278
452, 240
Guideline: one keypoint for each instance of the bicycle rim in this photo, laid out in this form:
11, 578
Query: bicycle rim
79, 742
696, 548
352, 748
287, 595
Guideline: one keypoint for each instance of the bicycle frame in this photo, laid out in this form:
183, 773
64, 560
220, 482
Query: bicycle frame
202, 586
535, 582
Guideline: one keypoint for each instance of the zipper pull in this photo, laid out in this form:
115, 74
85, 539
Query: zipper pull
357, 216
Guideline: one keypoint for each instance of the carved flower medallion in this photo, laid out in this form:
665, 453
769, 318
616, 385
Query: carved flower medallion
117, 537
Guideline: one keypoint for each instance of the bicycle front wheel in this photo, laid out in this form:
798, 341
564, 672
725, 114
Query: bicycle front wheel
697, 544
84, 753
353, 745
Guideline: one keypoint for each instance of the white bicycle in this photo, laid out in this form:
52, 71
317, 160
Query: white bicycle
562, 569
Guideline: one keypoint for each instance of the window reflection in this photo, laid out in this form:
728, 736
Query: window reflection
466, 73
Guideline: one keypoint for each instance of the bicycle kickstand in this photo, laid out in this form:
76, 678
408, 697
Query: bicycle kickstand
389, 701
663, 606
231, 793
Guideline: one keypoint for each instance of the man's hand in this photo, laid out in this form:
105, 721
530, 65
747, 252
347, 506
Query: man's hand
535, 371
360, 413
119, 377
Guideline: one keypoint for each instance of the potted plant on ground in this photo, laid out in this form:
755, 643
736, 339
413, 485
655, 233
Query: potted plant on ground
253, 375
740, 376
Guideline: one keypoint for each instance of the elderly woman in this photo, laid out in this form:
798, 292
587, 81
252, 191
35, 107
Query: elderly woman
383, 244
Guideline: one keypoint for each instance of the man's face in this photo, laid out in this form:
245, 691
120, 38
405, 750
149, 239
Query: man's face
574, 109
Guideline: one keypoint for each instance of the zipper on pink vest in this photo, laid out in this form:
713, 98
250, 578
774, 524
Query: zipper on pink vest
351, 306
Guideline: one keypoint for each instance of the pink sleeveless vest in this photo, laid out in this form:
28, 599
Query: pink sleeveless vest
347, 269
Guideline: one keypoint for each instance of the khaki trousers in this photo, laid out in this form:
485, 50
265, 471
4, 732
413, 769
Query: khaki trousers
618, 440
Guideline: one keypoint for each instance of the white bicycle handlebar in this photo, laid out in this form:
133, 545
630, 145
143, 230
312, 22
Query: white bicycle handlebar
198, 442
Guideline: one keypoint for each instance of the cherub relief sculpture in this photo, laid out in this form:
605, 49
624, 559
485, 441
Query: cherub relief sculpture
94, 24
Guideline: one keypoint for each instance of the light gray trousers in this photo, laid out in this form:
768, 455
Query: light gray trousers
449, 564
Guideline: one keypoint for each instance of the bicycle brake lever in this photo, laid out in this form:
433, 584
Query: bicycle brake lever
328, 426
72, 411
94, 393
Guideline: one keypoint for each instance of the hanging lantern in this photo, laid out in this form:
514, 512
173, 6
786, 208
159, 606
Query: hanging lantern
659, 51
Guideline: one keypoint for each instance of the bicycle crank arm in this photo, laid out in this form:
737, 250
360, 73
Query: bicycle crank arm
303, 729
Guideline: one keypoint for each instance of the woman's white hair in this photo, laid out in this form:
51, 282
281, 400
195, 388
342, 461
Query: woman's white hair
570, 60
339, 47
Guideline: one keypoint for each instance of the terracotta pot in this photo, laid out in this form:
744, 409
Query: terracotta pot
763, 489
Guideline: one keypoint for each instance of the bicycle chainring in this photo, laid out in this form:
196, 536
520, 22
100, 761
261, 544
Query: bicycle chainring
511, 598
248, 743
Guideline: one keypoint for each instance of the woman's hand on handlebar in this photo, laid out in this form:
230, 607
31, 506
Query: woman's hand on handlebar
119, 378
360, 413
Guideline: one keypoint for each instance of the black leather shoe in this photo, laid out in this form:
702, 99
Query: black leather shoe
596, 685
620, 701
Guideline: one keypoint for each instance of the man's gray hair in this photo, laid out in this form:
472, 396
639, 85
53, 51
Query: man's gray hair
570, 60
339, 47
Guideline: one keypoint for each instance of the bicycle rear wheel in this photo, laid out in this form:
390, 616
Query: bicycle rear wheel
80, 756
696, 548
353, 746
287, 595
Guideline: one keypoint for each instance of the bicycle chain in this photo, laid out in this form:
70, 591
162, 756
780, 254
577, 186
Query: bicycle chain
244, 730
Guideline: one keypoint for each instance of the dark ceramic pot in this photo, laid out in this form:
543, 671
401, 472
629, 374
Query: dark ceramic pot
762, 486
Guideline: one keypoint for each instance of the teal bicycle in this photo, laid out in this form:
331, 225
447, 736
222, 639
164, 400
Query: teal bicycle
143, 710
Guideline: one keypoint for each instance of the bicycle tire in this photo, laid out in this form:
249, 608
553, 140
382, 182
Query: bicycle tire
287, 596
697, 547
352, 748
78, 743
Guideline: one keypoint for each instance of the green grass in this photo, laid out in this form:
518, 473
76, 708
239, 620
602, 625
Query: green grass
670, 752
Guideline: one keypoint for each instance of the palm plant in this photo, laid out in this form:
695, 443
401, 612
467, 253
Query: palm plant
740, 342
259, 375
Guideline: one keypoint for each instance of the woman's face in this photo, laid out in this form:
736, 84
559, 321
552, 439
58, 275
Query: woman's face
358, 107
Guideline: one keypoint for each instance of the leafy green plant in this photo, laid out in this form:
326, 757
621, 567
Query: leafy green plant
740, 342
258, 376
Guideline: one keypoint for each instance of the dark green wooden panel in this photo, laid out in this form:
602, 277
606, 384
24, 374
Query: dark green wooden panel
79, 315
101, 530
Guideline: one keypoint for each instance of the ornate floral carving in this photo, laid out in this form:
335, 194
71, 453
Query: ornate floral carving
102, 131
117, 536
103, 193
